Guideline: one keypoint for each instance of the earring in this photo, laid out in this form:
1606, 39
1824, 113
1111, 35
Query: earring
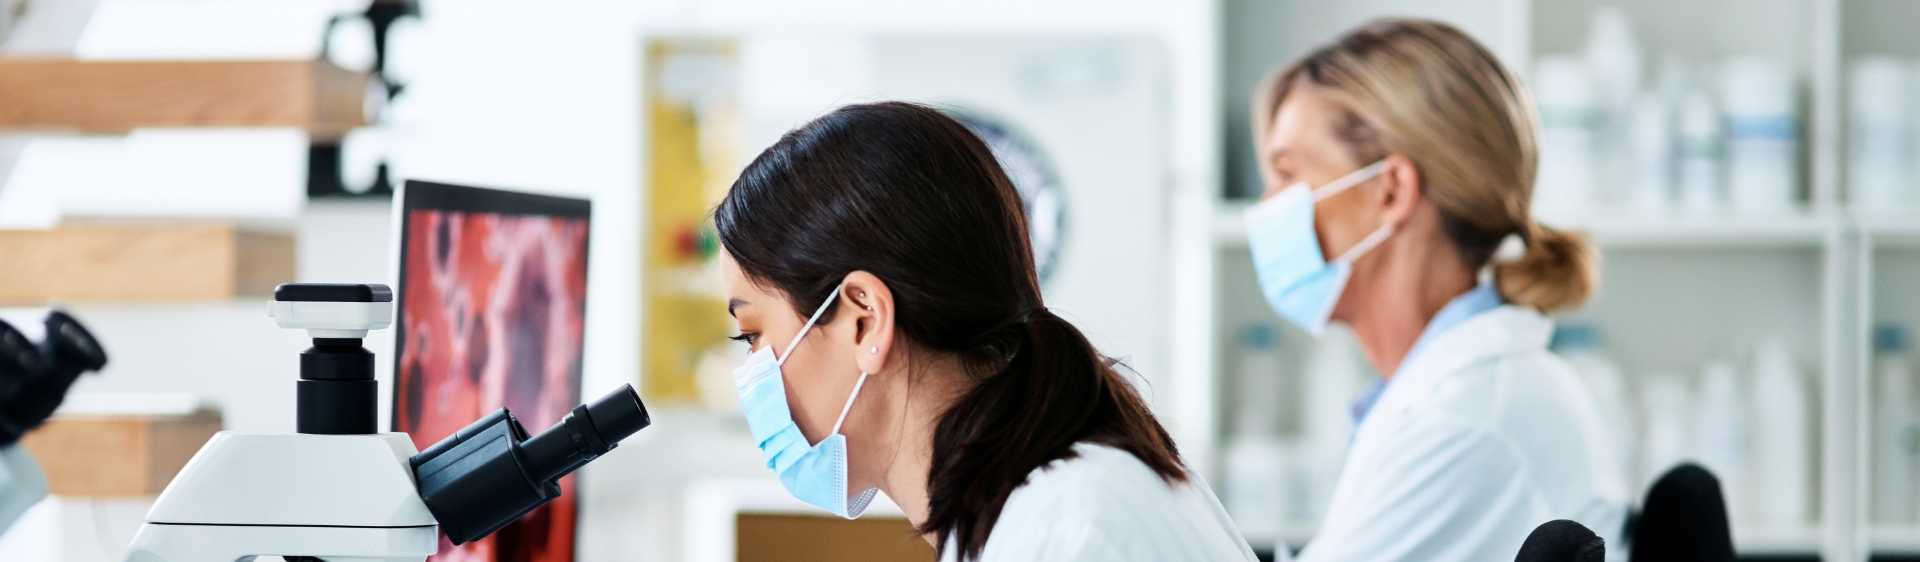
874, 351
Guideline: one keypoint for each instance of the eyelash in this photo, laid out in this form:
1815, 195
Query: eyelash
748, 338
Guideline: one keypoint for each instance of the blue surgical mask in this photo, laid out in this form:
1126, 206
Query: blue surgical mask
817, 473
1298, 281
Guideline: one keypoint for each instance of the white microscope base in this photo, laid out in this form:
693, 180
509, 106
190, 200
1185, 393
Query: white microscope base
224, 543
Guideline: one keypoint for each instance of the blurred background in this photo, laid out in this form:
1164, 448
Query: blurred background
1745, 165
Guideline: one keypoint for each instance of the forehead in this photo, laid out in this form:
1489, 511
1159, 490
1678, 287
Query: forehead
743, 292
1305, 117
1305, 131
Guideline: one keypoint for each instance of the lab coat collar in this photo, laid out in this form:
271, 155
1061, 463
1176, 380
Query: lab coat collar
1486, 336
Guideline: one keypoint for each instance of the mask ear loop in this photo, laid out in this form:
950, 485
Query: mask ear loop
1366, 244
1352, 179
849, 407
1335, 187
833, 298
782, 359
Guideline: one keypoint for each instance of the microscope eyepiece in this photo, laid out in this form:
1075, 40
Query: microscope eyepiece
619, 415
490, 473
35, 376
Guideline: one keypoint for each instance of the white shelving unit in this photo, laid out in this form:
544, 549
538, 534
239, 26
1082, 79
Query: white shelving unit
1676, 291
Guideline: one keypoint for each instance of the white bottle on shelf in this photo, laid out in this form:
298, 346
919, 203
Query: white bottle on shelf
1763, 135
1719, 432
1877, 149
1666, 438
1894, 429
1613, 57
1256, 460
1569, 127
1579, 345
1652, 136
1699, 155
1782, 450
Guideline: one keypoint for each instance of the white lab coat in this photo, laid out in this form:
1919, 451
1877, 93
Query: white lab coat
1106, 505
1480, 438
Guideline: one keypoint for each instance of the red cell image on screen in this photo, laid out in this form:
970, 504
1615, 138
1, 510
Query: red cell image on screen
492, 315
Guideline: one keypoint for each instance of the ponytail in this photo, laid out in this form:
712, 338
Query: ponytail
1054, 391
1558, 270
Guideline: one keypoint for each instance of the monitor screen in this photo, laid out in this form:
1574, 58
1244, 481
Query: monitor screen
492, 307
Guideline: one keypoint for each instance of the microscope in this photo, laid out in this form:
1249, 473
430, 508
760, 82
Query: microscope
337, 490
39, 361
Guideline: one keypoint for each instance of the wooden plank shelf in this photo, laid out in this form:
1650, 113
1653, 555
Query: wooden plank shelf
115, 96
142, 261
117, 455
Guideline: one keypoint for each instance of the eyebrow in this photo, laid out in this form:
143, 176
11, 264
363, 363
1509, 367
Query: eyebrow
733, 303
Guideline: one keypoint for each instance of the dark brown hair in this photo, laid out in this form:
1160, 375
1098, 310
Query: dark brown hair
909, 195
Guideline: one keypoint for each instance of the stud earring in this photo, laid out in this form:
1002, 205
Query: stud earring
874, 351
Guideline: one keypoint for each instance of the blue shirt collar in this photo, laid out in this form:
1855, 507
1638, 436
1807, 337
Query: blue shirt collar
1468, 305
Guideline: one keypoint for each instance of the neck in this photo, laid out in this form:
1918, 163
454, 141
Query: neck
1412, 279
922, 396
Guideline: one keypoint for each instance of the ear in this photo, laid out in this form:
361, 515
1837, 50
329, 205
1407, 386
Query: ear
1400, 181
865, 299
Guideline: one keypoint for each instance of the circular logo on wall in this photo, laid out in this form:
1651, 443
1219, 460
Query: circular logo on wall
1039, 184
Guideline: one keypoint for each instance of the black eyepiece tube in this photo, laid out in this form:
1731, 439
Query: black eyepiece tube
585, 434
35, 376
619, 415
490, 474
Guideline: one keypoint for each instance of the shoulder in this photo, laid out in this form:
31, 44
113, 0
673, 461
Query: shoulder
1098, 485
1091, 466
1107, 498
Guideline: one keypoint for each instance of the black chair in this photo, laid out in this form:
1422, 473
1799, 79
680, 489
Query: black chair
1684, 519
1562, 541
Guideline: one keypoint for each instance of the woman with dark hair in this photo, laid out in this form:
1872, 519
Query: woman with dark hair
883, 253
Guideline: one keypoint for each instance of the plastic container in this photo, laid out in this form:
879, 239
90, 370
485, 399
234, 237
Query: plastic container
1699, 155
1569, 128
1878, 175
1666, 436
1613, 58
1653, 152
1763, 136
1894, 427
1782, 462
1720, 432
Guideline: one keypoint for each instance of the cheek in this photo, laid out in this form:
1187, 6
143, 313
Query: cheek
1341, 222
810, 393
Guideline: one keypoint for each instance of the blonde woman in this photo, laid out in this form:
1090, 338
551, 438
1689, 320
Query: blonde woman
1405, 152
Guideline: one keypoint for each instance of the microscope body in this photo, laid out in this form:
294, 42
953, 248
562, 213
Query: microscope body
336, 497
337, 490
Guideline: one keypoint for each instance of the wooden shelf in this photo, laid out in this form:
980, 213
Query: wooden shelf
115, 96
117, 455
142, 261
